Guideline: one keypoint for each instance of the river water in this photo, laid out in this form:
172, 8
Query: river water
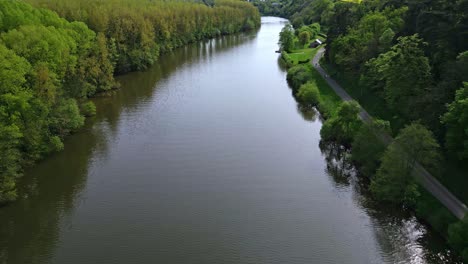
205, 158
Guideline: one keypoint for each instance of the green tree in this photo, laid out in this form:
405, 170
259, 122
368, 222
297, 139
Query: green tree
9, 166
372, 35
314, 29
458, 237
456, 122
368, 147
297, 76
13, 71
406, 75
343, 126
394, 182
309, 94
286, 39
304, 38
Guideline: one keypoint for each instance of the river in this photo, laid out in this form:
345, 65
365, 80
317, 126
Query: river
205, 158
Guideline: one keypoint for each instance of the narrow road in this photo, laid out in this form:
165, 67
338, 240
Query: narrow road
429, 182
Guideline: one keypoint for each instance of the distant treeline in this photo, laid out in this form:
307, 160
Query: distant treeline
139, 30
55, 54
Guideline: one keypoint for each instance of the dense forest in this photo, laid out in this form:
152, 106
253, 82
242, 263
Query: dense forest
139, 30
56, 54
406, 63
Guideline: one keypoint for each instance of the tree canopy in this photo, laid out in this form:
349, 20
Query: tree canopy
50, 66
393, 181
456, 120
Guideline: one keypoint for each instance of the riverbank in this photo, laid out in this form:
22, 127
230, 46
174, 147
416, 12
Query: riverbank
201, 159
55, 55
426, 208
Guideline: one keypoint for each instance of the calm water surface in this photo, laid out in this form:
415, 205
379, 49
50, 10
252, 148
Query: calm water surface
205, 158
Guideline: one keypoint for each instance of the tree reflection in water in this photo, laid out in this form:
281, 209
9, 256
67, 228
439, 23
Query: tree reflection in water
339, 165
411, 239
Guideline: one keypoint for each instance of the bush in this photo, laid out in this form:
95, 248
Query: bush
458, 237
297, 76
344, 125
56, 144
368, 148
431, 210
304, 37
394, 182
88, 109
309, 94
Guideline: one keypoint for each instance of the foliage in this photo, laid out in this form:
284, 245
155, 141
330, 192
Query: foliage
343, 126
286, 39
139, 30
299, 56
458, 237
304, 37
393, 182
431, 210
48, 64
456, 121
309, 94
411, 57
404, 90
88, 109
297, 76
269, 7
372, 35
368, 148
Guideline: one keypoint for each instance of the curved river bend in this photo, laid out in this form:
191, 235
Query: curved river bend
205, 159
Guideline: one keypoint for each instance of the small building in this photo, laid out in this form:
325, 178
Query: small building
316, 43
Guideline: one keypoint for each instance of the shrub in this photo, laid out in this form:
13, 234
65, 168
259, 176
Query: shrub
458, 237
393, 181
309, 94
304, 37
56, 143
88, 109
344, 125
368, 148
297, 76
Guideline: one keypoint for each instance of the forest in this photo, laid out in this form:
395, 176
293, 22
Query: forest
406, 63
56, 54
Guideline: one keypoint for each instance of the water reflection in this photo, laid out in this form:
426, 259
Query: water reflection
308, 113
402, 238
29, 228
49, 192
205, 158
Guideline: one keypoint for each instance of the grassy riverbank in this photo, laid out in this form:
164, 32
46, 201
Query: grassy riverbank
327, 101
426, 207
298, 56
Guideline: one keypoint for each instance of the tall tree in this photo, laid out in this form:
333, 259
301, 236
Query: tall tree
286, 39
393, 181
456, 121
406, 75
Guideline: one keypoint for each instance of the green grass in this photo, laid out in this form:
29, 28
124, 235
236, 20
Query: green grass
329, 100
374, 105
302, 53
299, 56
